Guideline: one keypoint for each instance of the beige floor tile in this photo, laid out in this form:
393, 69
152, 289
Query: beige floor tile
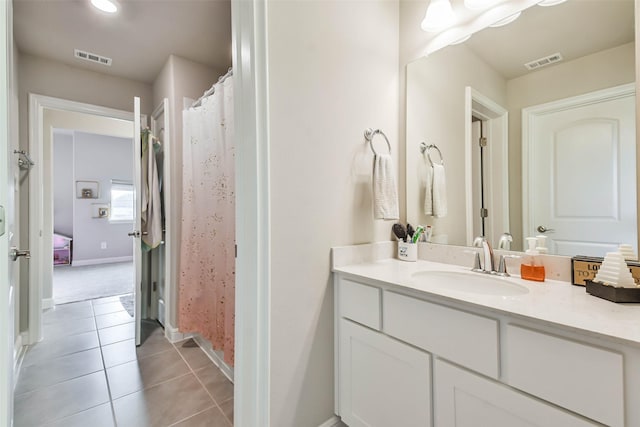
227, 409
162, 405
144, 373
153, 342
76, 310
193, 354
61, 400
51, 348
57, 370
216, 383
106, 308
113, 319
212, 417
119, 353
117, 333
68, 327
99, 416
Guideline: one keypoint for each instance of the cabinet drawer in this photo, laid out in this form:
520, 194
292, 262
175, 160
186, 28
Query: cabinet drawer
360, 303
460, 337
576, 376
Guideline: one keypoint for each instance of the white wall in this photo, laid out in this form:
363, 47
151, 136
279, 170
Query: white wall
436, 114
333, 72
608, 68
178, 79
100, 158
63, 191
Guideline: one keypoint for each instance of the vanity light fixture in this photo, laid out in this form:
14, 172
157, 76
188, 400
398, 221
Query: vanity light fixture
439, 16
107, 6
550, 2
479, 4
505, 21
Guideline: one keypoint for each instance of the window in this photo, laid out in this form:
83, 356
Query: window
121, 201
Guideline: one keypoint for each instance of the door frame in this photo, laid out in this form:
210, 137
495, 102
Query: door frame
497, 118
530, 116
38, 263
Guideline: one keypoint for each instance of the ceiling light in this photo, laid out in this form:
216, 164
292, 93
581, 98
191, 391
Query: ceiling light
439, 16
461, 40
505, 21
105, 5
479, 4
550, 2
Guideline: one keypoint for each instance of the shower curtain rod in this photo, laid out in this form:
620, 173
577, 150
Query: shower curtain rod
212, 89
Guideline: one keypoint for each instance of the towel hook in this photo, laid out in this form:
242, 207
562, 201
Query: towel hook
425, 148
369, 133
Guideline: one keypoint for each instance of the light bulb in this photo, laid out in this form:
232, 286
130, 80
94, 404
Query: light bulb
439, 16
105, 5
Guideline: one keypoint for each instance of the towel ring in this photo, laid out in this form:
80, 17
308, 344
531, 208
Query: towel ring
425, 148
370, 133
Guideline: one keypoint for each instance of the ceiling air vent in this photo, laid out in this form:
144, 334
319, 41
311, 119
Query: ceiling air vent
92, 57
543, 62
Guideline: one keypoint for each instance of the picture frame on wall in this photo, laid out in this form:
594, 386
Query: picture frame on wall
87, 189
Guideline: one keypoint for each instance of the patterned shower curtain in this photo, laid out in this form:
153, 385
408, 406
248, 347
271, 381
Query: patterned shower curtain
207, 251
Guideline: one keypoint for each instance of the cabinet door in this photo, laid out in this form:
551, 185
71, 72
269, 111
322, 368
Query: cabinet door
383, 382
463, 399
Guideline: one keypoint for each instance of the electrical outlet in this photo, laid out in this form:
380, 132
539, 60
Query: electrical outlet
103, 245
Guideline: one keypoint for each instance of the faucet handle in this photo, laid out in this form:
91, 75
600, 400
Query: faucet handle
502, 265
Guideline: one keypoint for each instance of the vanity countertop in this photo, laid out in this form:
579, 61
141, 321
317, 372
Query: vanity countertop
553, 302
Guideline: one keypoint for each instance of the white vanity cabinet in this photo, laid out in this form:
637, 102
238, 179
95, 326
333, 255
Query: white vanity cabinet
407, 358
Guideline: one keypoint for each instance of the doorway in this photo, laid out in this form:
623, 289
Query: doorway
92, 178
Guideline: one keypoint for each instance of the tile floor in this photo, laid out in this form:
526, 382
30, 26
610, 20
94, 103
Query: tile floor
88, 372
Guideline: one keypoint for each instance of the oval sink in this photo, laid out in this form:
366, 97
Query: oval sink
476, 283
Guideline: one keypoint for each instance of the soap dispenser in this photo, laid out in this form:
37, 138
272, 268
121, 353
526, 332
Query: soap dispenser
532, 270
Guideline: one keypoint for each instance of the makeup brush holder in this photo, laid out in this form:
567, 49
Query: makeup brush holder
407, 251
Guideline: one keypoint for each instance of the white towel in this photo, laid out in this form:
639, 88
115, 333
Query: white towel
435, 202
385, 193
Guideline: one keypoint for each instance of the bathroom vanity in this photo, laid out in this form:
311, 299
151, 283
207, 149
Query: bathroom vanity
432, 344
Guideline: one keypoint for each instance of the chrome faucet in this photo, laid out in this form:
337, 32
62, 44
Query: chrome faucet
505, 241
487, 251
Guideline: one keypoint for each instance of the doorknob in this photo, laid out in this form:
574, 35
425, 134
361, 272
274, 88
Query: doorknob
14, 253
134, 233
543, 229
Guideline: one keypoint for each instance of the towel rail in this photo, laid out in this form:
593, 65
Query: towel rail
425, 148
370, 133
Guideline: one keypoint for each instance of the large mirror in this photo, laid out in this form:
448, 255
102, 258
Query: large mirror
559, 158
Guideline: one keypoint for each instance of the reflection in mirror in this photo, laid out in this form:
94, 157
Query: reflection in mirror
560, 156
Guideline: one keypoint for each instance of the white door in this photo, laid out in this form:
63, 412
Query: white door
7, 285
135, 233
463, 399
583, 177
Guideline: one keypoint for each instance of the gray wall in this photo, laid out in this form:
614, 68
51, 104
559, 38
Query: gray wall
100, 158
63, 183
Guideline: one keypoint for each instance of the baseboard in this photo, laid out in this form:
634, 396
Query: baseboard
215, 356
332, 422
174, 335
48, 303
83, 262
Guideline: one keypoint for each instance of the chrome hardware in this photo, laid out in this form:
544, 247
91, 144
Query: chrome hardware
488, 266
543, 229
369, 133
134, 233
505, 241
14, 253
502, 265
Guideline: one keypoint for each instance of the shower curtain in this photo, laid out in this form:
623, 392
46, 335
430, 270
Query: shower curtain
207, 252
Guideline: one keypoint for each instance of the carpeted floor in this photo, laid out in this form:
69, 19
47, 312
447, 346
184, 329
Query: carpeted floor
72, 284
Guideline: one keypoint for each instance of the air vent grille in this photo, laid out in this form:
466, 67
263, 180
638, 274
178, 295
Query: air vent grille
543, 62
92, 57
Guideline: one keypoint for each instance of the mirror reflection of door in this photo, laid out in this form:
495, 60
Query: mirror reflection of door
582, 172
